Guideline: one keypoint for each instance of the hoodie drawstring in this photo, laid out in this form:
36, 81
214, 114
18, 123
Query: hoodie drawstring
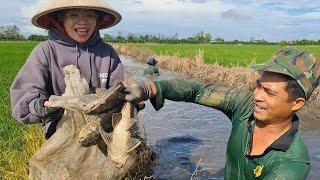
90, 65
90, 82
77, 57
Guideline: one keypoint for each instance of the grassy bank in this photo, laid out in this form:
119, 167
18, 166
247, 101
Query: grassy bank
17, 142
227, 55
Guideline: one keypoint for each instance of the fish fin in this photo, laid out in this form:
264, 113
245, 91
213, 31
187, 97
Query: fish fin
107, 137
93, 118
134, 128
133, 144
134, 125
116, 119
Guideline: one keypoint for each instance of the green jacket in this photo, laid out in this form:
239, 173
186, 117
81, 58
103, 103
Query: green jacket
286, 158
151, 70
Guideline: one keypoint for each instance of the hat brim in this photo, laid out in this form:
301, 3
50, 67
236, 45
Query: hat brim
109, 17
271, 67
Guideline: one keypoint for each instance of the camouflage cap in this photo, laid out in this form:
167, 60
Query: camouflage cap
300, 65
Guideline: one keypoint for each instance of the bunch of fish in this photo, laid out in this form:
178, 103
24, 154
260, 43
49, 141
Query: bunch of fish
106, 103
97, 137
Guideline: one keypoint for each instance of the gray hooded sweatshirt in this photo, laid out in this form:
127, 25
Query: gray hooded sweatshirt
42, 74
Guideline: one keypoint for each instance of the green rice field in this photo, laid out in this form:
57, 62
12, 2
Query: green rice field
13, 147
18, 142
227, 55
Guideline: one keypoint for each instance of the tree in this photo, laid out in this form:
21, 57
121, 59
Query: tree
132, 38
35, 37
283, 43
219, 40
208, 38
120, 38
200, 37
107, 38
10, 33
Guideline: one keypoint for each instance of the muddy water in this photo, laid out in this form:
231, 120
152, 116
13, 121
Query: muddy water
182, 133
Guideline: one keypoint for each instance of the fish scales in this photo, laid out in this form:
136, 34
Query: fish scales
121, 141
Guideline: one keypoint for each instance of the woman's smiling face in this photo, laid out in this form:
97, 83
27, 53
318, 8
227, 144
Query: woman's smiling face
80, 24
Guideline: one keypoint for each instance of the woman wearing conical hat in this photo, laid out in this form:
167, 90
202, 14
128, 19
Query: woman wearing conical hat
73, 27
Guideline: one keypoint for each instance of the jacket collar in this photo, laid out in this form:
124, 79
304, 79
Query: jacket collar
283, 142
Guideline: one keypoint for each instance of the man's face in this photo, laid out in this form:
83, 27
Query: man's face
80, 24
271, 98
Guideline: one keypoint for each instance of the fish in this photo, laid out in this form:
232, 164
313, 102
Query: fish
97, 103
98, 109
89, 135
122, 141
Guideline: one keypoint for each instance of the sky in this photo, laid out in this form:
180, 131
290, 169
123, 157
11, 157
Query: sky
272, 20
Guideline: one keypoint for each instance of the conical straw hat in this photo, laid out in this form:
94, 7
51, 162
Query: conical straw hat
109, 17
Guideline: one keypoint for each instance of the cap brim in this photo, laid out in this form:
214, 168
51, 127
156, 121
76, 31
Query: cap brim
271, 67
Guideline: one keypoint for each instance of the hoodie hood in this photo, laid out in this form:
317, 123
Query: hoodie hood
60, 38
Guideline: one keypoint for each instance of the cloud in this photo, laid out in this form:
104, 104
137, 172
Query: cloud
272, 20
32, 8
236, 15
195, 1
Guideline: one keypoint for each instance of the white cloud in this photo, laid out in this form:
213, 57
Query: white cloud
31, 9
27, 12
232, 19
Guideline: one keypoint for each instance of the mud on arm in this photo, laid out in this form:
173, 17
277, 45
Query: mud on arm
232, 102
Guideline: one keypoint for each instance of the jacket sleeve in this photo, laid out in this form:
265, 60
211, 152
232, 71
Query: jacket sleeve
116, 70
231, 101
30, 84
292, 171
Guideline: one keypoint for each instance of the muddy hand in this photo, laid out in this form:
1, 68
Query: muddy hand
44, 108
137, 91
108, 99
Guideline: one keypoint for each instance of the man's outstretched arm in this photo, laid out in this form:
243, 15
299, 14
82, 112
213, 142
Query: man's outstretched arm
228, 100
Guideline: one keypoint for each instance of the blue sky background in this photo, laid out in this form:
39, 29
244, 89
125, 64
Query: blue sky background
272, 20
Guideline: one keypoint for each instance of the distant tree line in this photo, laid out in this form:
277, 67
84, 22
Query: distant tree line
200, 37
12, 33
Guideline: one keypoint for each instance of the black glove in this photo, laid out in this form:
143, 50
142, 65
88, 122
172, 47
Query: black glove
137, 91
44, 112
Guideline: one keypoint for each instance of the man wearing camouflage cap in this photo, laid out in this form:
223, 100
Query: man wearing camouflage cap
265, 142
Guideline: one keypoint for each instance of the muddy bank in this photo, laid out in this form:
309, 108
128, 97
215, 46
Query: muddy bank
212, 73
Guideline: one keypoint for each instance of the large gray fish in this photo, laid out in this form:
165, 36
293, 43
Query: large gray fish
122, 142
103, 100
99, 108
